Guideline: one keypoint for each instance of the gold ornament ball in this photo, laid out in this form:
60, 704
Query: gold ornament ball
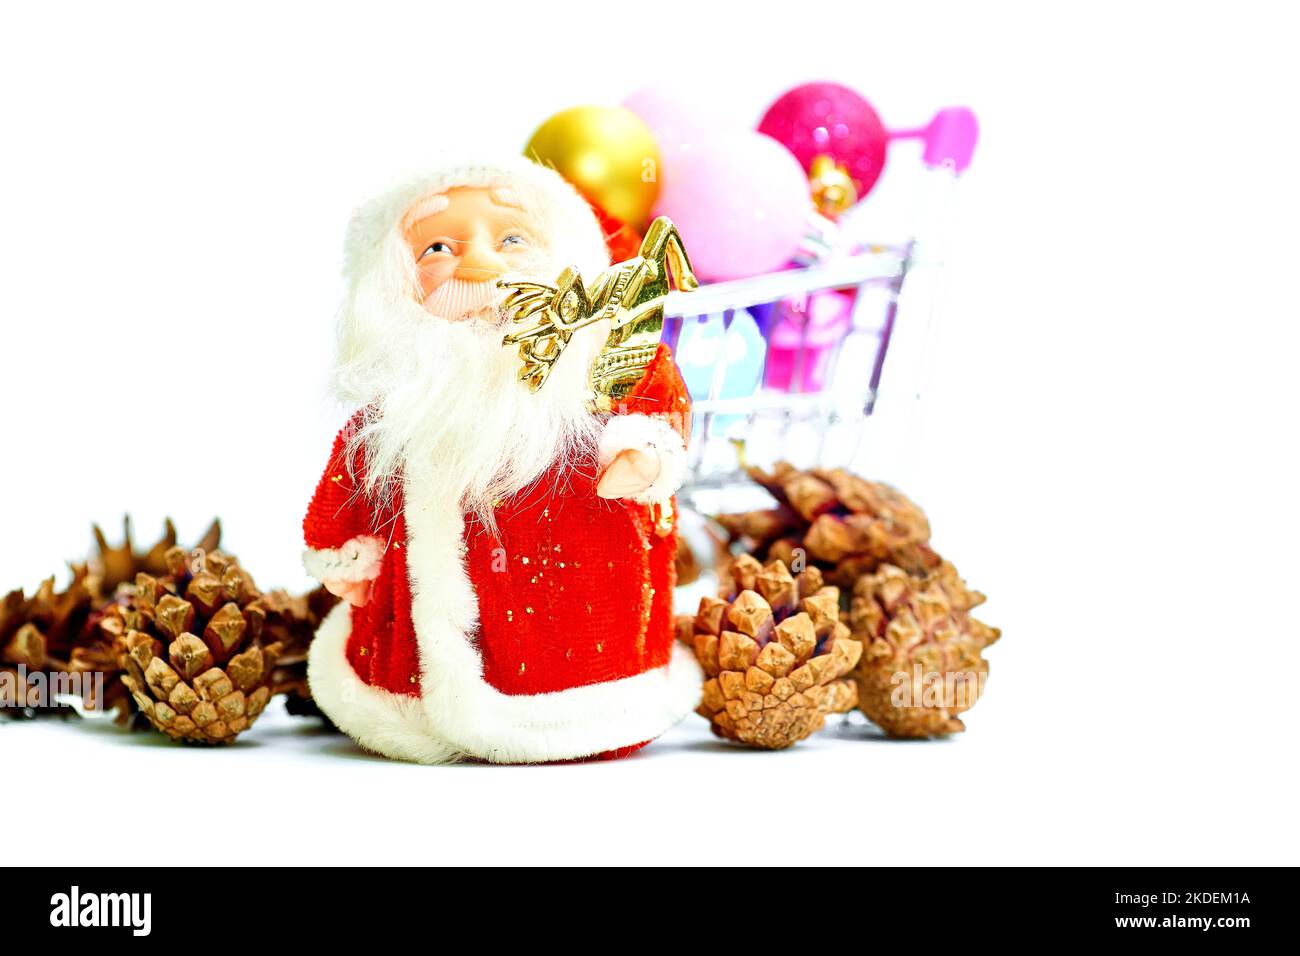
607, 153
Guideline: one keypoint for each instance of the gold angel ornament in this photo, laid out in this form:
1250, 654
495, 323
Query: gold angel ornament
629, 294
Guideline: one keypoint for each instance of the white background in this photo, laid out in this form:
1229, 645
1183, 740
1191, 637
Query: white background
1110, 452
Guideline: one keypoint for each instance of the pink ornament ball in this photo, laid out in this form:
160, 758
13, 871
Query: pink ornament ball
829, 119
740, 201
675, 117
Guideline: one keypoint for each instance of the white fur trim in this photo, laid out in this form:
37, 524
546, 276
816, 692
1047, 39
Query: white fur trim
462, 714
642, 432
390, 724
357, 560
571, 225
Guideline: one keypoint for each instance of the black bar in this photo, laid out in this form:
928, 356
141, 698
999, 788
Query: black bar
944, 905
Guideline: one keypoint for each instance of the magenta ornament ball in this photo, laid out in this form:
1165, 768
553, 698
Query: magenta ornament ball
829, 119
740, 200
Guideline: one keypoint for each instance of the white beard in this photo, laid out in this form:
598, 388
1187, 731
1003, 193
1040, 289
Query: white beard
451, 410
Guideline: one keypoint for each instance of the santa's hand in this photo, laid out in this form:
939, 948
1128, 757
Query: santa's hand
630, 474
641, 458
348, 569
356, 593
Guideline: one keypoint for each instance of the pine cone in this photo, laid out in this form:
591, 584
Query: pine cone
775, 653
292, 621
56, 633
114, 566
195, 652
922, 662
52, 633
686, 564
831, 518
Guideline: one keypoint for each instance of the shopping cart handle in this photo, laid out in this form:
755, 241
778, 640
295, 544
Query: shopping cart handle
880, 263
949, 138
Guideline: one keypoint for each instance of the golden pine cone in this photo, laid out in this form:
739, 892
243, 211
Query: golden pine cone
775, 653
194, 648
835, 520
922, 662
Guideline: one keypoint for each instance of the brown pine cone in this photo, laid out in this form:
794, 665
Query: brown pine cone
55, 633
52, 634
114, 566
195, 652
292, 621
775, 653
835, 520
922, 664
685, 564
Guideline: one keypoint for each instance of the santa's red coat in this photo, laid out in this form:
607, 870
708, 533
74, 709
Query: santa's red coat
572, 589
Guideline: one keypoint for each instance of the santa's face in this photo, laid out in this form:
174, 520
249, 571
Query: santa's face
463, 241
445, 398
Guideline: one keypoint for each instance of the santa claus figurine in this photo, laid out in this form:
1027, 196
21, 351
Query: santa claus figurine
504, 554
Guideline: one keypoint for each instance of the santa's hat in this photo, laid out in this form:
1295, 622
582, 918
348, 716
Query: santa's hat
565, 217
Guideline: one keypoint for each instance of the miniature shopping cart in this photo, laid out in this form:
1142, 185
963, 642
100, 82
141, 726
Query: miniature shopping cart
796, 364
